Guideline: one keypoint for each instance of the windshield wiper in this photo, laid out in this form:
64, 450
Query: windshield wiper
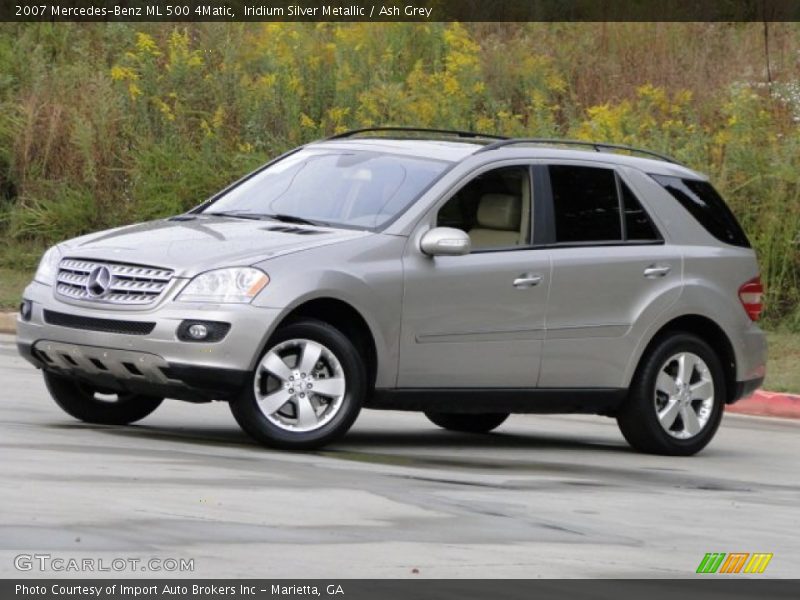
236, 215
259, 216
293, 219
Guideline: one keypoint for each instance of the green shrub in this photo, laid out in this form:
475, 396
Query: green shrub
53, 211
105, 124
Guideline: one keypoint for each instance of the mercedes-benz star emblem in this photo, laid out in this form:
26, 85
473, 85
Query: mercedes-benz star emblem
99, 281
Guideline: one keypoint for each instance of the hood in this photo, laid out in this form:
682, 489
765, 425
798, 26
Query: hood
200, 243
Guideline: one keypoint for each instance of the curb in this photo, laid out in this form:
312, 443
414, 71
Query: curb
761, 403
768, 404
8, 322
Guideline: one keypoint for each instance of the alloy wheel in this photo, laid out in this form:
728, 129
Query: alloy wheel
299, 385
684, 395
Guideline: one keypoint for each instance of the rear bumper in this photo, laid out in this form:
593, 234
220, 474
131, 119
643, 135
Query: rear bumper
750, 349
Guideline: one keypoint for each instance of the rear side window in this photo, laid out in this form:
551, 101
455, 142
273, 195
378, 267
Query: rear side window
638, 226
707, 206
585, 204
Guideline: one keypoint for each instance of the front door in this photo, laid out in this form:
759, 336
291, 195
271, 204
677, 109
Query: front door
477, 320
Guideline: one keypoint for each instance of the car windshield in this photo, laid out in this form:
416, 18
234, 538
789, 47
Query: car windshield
352, 188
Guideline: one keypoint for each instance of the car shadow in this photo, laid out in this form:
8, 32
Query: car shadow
436, 438
364, 440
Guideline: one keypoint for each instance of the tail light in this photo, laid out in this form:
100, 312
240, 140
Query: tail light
750, 295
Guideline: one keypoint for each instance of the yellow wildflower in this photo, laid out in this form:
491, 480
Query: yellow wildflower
307, 122
119, 73
145, 44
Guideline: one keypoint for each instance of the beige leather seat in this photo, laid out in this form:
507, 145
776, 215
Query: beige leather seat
498, 222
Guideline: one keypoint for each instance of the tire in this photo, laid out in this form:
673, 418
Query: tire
88, 405
274, 409
658, 388
467, 423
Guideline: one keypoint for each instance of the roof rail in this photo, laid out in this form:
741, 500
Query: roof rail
597, 146
451, 132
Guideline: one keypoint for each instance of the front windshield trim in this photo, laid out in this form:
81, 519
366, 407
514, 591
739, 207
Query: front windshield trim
205, 207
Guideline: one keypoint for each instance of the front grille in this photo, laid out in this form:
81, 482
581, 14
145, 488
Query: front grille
93, 324
111, 283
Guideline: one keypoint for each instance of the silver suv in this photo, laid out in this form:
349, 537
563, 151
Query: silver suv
462, 275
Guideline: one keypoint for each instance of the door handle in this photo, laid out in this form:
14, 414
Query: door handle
527, 280
654, 271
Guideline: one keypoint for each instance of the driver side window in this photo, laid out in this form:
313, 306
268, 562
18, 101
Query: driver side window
494, 209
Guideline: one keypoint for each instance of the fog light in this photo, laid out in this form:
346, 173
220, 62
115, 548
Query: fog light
202, 331
26, 310
198, 331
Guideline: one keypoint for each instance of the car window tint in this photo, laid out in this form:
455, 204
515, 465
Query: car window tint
585, 204
638, 226
707, 207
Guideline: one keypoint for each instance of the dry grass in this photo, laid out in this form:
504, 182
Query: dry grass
783, 367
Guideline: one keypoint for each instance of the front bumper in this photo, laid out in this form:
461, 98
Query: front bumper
162, 364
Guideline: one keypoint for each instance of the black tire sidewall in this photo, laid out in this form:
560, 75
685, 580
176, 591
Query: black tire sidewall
250, 418
638, 419
77, 402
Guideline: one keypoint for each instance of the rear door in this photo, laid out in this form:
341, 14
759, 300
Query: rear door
612, 273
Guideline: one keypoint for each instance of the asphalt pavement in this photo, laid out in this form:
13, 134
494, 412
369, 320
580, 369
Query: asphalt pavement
544, 496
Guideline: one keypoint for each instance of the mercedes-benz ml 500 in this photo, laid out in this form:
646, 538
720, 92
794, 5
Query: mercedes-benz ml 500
462, 275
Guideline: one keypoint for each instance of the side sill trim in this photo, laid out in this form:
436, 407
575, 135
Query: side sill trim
604, 401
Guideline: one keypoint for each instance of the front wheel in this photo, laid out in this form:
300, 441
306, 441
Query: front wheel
467, 423
676, 400
307, 389
92, 406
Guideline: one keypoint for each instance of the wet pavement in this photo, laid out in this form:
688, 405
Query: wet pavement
545, 496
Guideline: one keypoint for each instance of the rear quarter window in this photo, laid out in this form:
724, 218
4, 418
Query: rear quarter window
707, 207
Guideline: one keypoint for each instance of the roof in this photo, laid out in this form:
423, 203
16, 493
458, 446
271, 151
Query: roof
461, 147
450, 151
648, 165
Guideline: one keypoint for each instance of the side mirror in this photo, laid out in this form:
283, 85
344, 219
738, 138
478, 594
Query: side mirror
445, 241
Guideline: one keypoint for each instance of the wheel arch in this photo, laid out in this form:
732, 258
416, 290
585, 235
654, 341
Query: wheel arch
707, 330
344, 317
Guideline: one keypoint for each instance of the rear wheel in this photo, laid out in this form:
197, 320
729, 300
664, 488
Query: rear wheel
677, 397
467, 423
307, 389
94, 406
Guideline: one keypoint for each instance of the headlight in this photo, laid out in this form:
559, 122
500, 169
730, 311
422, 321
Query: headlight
239, 284
48, 266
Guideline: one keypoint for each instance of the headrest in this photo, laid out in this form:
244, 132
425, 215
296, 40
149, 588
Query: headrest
499, 211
